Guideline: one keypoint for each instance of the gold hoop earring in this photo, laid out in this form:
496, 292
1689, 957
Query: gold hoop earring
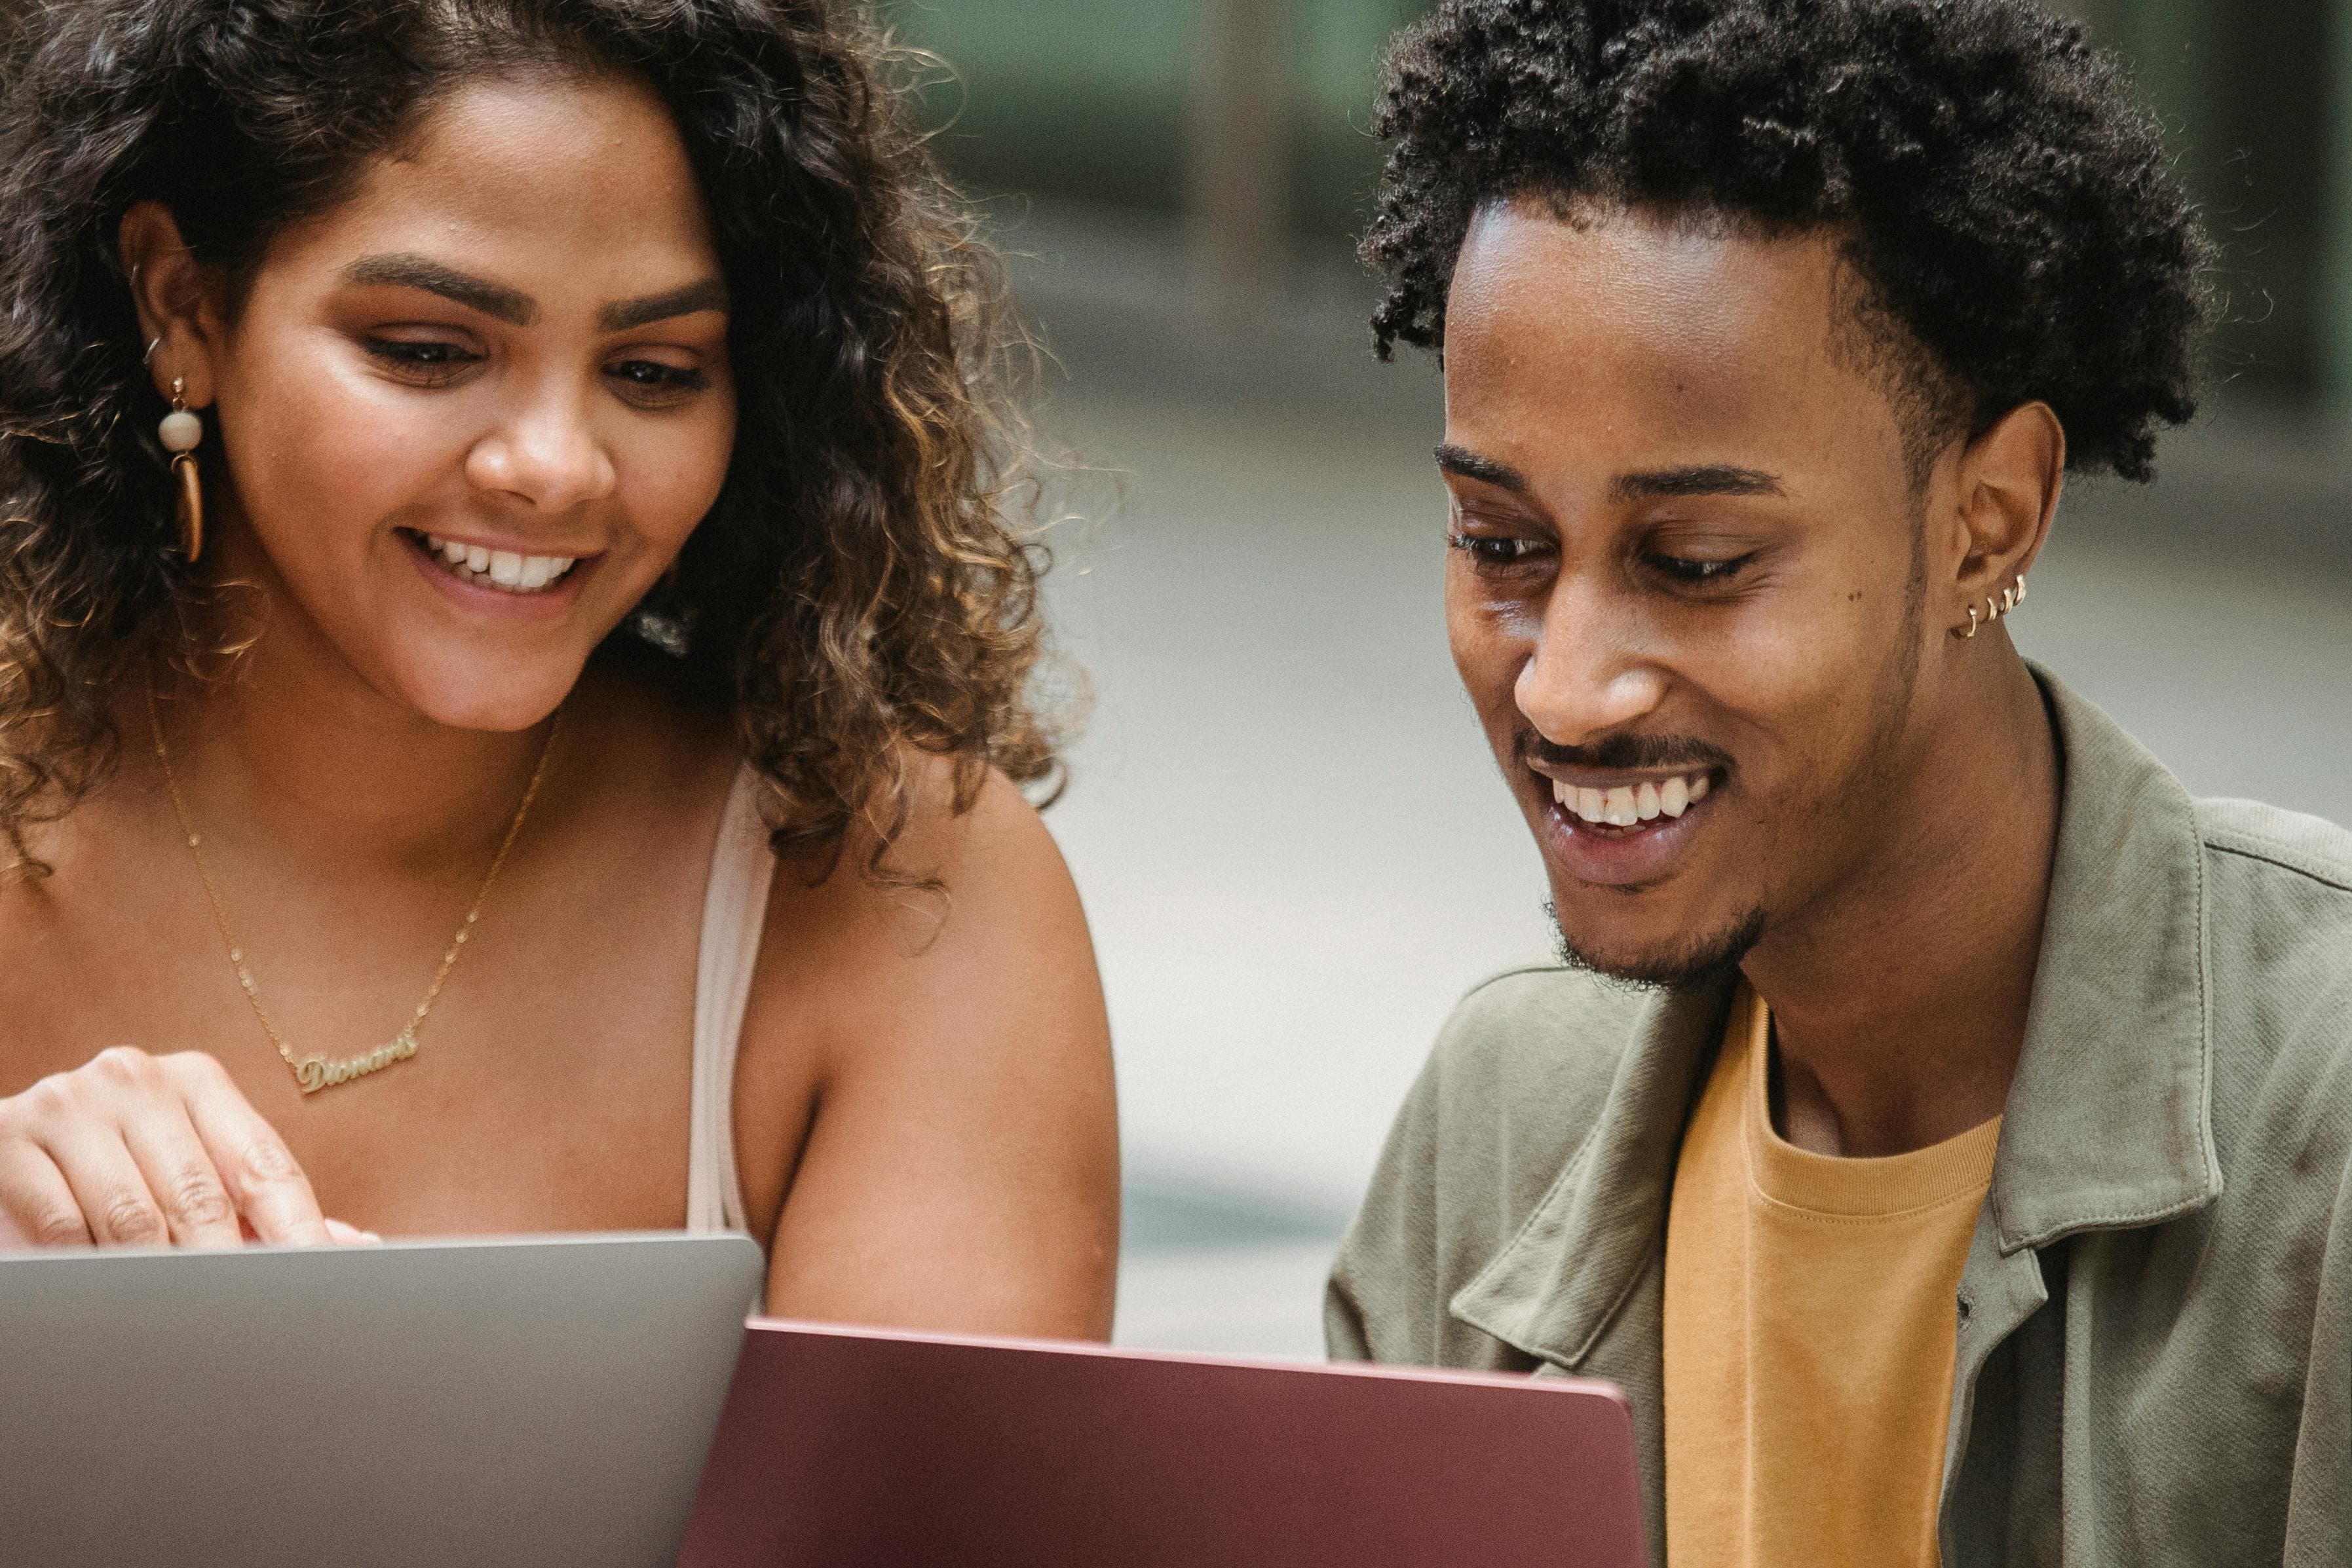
2011, 597
180, 434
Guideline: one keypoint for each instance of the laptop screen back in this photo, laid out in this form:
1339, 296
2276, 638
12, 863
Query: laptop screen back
547, 1401
858, 1449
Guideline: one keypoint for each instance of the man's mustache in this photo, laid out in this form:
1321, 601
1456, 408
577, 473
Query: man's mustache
1623, 753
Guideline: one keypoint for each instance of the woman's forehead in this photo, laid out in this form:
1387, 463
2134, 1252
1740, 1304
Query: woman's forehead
582, 185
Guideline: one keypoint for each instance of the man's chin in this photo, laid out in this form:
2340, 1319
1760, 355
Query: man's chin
1683, 964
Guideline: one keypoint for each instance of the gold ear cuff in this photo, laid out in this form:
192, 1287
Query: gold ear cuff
2011, 597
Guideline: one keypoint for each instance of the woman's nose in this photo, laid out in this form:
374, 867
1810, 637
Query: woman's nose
545, 454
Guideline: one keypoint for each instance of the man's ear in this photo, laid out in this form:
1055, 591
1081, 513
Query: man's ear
178, 299
2008, 482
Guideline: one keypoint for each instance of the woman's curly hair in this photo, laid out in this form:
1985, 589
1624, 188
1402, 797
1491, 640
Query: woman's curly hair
858, 595
2003, 198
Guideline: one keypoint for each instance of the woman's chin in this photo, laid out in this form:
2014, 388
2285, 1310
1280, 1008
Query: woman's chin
504, 700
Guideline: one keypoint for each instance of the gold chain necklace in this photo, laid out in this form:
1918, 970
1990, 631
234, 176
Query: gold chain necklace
313, 1074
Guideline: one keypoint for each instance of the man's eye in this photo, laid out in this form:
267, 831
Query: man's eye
1684, 570
1485, 551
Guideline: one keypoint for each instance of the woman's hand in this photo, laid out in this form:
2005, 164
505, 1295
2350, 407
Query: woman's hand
134, 1150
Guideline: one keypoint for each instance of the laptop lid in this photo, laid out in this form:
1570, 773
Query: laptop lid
853, 1449
519, 1403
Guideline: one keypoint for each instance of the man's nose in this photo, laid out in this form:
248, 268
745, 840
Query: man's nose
545, 452
1587, 675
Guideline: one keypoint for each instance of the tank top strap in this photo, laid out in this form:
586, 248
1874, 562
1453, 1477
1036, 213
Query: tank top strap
734, 912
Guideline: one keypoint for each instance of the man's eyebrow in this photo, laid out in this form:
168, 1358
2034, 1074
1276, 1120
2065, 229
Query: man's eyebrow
406, 269
1452, 459
1711, 480
711, 294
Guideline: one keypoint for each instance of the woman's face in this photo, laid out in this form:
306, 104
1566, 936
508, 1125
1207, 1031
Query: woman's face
469, 416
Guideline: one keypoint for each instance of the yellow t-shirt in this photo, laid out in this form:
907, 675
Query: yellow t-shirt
1810, 1314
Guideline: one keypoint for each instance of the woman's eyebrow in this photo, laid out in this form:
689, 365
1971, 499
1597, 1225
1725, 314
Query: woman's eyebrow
408, 270
711, 294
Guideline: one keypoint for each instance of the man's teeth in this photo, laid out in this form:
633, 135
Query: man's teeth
1628, 806
501, 569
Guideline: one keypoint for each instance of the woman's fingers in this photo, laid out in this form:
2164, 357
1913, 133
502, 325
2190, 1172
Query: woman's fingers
107, 1183
133, 1150
260, 1173
180, 1176
37, 1206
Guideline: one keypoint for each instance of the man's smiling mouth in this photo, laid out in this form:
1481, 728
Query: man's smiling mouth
1633, 805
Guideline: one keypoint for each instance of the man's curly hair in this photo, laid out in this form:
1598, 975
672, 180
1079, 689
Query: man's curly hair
2001, 195
859, 594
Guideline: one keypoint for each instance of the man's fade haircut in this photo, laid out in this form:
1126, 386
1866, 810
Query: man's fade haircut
2006, 202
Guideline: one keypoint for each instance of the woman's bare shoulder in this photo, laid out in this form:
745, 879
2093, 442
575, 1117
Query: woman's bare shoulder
970, 889
954, 1162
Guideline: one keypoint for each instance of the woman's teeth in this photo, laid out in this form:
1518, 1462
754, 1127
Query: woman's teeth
500, 569
1628, 806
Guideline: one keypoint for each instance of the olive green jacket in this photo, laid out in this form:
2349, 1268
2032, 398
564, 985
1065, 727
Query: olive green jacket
2154, 1358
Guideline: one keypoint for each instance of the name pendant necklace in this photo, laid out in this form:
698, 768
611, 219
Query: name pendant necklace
315, 1073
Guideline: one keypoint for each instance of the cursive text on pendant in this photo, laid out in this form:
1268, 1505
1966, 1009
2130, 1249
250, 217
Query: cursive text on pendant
316, 1073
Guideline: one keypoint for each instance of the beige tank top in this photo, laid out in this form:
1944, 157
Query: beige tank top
734, 910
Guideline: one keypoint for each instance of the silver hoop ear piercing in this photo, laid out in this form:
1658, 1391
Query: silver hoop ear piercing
1972, 632
149, 357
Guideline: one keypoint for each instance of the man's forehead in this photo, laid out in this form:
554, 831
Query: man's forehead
1638, 334
1672, 286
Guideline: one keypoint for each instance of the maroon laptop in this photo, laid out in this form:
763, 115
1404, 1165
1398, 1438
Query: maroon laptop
850, 1449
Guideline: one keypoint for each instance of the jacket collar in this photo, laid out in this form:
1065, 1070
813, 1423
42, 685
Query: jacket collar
2108, 1123
1554, 1292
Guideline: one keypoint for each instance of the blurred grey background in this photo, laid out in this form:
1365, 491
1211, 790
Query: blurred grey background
1290, 838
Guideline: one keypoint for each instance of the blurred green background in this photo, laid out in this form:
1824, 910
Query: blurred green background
1108, 103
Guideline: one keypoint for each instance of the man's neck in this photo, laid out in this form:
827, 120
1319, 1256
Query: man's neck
1899, 1008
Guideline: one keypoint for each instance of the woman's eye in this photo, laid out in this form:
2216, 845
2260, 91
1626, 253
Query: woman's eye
1486, 551
427, 361
1700, 572
651, 383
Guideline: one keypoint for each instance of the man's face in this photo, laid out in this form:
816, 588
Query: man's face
1685, 587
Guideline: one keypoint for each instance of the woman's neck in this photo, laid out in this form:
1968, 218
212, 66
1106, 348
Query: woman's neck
286, 733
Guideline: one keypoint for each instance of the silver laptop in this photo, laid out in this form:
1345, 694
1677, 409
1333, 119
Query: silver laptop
518, 1403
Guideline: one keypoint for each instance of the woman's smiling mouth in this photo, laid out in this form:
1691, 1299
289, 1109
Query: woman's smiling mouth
502, 571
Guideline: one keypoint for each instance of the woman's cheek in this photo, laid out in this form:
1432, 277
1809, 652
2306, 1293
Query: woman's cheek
675, 478
315, 440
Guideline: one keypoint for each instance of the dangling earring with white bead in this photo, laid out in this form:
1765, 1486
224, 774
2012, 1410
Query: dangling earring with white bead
180, 432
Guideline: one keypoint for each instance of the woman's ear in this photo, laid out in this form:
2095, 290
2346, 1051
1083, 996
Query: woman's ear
2009, 481
178, 300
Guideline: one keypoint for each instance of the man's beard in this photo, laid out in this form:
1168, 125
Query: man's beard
1686, 966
